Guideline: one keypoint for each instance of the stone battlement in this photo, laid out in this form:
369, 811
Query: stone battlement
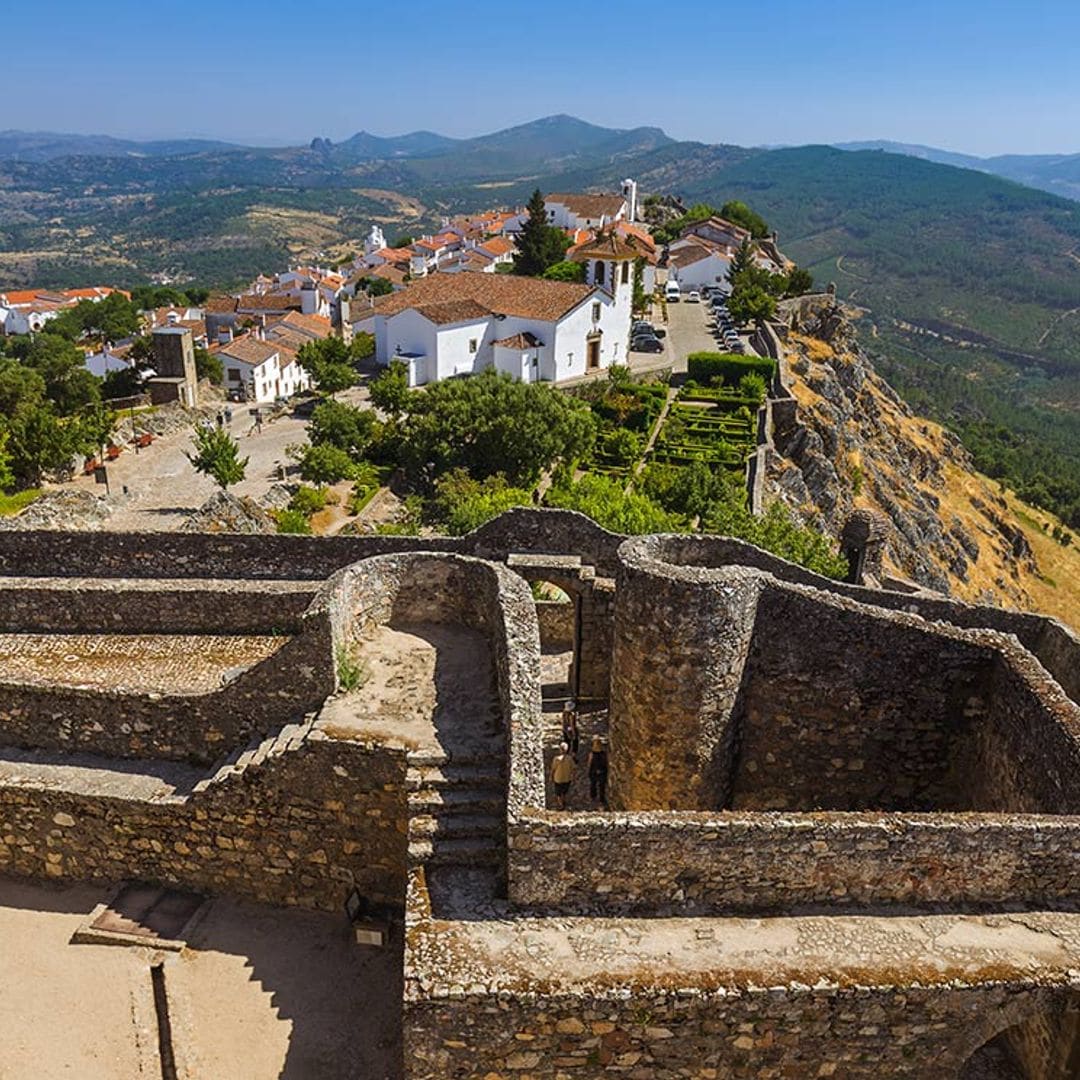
845, 822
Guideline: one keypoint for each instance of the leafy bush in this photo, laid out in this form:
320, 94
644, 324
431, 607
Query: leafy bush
605, 501
703, 367
292, 521
309, 500
752, 385
324, 464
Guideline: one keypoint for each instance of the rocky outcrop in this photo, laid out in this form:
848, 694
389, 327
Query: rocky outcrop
854, 443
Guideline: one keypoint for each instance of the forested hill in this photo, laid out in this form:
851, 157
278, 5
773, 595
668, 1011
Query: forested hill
971, 286
971, 283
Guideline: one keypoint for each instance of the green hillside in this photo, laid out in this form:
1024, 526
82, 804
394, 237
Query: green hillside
972, 285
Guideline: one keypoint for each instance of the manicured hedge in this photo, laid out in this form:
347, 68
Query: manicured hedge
703, 367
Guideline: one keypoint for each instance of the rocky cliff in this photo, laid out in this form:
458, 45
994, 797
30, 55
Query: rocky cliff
852, 442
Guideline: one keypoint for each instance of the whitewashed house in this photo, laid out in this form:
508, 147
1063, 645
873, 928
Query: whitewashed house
262, 370
536, 330
573, 212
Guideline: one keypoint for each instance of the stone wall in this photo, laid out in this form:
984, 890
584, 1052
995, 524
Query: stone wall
910, 1032
115, 606
847, 708
749, 863
681, 640
311, 821
196, 727
558, 625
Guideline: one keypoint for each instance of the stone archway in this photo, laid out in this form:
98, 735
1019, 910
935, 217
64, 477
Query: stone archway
1029, 1044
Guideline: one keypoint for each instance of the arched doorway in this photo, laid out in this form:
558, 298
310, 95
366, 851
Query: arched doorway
557, 613
1044, 1045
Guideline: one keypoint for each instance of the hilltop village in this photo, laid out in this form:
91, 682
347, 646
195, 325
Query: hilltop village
521, 653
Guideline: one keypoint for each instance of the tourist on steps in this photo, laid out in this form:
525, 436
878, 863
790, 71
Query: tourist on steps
598, 768
570, 731
562, 772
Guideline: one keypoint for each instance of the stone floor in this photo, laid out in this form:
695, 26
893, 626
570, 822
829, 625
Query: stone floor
427, 685
161, 663
259, 994
504, 951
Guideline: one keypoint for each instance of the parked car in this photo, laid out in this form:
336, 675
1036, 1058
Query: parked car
671, 292
646, 343
693, 297
642, 327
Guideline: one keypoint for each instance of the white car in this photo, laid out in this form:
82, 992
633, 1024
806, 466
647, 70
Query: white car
693, 297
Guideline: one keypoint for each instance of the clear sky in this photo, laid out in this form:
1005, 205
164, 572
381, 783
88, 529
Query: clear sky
981, 76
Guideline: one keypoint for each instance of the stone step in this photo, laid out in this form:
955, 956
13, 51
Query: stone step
451, 775
453, 826
431, 757
452, 800
467, 850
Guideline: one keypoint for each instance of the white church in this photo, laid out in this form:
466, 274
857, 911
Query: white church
450, 325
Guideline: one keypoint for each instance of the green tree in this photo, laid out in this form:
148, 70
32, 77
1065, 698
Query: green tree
540, 245
741, 214
348, 428
565, 271
7, 474
462, 504
403, 241
62, 365
609, 505
217, 455
362, 346
376, 286
324, 463
390, 389
491, 423
209, 366
799, 282
111, 319
329, 363
96, 425
752, 385
742, 262
41, 444
751, 305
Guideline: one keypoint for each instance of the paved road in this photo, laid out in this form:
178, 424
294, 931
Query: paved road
688, 330
164, 488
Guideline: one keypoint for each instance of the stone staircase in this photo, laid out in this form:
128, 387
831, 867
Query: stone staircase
457, 825
256, 753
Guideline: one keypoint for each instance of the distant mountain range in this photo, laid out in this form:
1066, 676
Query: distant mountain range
1056, 173
971, 280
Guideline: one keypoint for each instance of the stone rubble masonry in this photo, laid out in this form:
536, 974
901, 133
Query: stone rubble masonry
557, 621
195, 727
909, 1032
47, 553
301, 822
932, 771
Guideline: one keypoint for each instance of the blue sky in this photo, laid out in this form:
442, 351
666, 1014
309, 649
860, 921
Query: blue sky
980, 76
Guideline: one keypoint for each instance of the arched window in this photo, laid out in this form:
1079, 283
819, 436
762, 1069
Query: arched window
626, 273
598, 273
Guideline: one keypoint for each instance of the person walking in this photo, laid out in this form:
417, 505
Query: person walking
597, 766
562, 773
571, 733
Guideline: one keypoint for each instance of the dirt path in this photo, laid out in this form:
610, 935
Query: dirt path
1053, 322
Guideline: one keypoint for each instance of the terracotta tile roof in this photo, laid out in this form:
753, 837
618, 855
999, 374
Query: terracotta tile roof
452, 311
609, 245
220, 305
267, 302
497, 245
520, 341
689, 254
495, 294
95, 292
589, 206
721, 225
638, 232
287, 336
251, 350
312, 325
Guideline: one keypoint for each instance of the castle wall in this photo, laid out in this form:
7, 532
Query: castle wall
116, 606
749, 863
558, 622
298, 829
846, 709
179, 727
851, 1032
